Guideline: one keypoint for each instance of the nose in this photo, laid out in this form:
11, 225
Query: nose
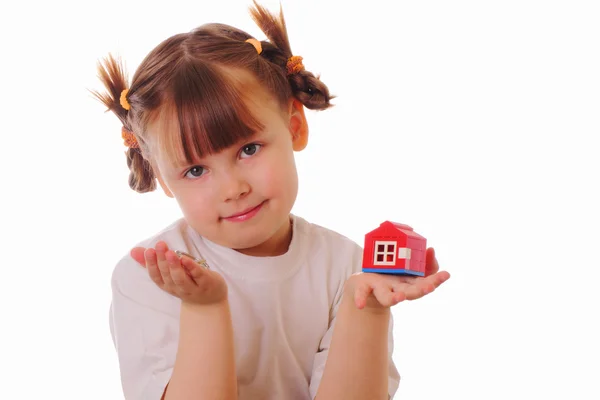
234, 186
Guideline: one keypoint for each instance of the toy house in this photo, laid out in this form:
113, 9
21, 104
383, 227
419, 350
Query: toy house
394, 248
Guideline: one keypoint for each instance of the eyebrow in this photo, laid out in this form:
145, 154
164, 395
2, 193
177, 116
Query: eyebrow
180, 162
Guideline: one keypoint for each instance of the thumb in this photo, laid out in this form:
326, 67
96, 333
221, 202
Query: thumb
193, 268
431, 264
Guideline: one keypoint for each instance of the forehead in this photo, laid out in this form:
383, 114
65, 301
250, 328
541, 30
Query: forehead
197, 120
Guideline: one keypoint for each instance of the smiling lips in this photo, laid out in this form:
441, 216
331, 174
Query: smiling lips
245, 215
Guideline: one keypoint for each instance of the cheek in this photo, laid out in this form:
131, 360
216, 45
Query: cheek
279, 177
194, 204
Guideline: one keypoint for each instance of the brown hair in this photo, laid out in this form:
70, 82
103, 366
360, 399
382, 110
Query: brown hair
191, 76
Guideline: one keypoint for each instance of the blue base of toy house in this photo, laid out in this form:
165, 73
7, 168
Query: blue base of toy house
394, 271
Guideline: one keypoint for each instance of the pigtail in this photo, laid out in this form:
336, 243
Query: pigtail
118, 100
141, 176
273, 27
309, 89
306, 87
114, 78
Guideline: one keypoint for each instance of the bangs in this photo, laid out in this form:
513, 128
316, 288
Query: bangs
205, 112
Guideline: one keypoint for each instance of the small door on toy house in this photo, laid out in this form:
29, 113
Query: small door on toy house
394, 248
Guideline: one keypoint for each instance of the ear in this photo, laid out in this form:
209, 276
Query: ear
161, 181
298, 125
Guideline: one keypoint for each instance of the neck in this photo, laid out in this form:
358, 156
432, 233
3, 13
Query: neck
276, 245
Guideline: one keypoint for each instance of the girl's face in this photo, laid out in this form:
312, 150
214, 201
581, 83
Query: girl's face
242, 196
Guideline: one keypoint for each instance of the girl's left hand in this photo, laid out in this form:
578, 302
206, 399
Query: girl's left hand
380, 291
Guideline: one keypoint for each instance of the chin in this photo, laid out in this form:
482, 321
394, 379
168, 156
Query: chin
257, 243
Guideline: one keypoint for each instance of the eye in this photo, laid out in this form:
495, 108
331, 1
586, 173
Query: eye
195, 172
250, 149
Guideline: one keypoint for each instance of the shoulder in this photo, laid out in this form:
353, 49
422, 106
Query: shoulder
322, 235
329, 246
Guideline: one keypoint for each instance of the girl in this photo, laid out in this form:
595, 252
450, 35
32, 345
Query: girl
239, 298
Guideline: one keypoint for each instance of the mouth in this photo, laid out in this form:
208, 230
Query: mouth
245, 214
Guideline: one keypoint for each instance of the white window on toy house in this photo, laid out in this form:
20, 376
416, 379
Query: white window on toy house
404, 253
385, 253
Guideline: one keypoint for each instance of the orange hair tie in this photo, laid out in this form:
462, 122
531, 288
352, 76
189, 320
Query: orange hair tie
123, 100
129, 139
256, 45
294, 65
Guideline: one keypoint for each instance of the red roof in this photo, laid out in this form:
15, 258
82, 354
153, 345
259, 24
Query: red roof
407, 230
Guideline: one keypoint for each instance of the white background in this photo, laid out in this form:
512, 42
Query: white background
475, 122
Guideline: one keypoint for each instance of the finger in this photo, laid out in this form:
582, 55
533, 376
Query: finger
387, 296
425, 286
441, 277
399, 295
417, 288
163, 265
431, 264
194, 269
414, 292
437, 279
361, 294
183, 282
137, 253
384, 295
152, 267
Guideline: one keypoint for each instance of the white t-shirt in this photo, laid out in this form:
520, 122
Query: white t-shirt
283, 310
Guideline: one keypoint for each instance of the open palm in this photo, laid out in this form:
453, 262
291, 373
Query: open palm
182, 277
373, 290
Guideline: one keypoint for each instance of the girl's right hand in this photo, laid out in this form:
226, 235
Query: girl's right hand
181, 277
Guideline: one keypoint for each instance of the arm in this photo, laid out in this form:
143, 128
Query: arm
174, 337
205, 364
357, 364
355, 367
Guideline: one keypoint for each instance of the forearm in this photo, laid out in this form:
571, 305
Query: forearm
205, 363
357, 364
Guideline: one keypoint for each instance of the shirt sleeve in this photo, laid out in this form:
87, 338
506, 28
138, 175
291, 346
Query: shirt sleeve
321, 356
144, 324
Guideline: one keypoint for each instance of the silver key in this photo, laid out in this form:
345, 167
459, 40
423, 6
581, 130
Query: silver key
202, 262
